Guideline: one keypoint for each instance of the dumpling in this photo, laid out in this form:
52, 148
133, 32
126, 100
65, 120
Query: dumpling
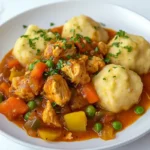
85, 26
130, 51
117, 87
31, 44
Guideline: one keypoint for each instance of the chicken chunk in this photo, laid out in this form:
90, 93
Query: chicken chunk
60, 49
103, 48
57, 90
25, 87
77, 101
76, 70
49, 116
95, 64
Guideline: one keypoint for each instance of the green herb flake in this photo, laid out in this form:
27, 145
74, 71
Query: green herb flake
38, 51
59, 64
104, 78
96, 27
25, 36
96, 49
73, 31
52, 24
107, 60
25, 26
114, 76
69, 56
109, 70
87, 39
122, 33
114, 55
129, 48
117, 44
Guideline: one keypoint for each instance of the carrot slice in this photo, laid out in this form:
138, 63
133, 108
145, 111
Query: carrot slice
38, 70
4, 88
13, 107
88, 91
13, 63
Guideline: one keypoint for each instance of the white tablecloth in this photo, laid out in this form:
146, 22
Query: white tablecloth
10, 8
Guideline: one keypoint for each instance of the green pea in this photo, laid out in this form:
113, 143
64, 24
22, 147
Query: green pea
117, 125
90, 111
1, 98
97, 127
31, 105
31, 66
27, 115
139, 110
49, 63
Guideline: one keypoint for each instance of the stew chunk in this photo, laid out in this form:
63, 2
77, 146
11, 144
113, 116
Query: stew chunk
25, 87
57, 90
76, 70
49, 116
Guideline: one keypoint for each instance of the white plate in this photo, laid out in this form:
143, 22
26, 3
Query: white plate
114, 17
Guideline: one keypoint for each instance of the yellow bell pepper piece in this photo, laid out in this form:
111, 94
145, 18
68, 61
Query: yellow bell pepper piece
15, 73
49, 134
76, 121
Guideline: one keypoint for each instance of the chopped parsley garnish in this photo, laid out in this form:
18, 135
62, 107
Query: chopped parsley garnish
87, 39
104, 78
121, 33
116, 44
59, 64
114, 67
67, 46
31, 66
73, 31
38, 51
109, 70
114, 76
52, 24
50, 63
96, 49
114, 55
57, 35
96, 27
25, 36
32, 43
53, 104
107, 60
129, 48
25, 26
69, 56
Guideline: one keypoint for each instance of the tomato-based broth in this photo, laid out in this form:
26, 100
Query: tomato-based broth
61, 127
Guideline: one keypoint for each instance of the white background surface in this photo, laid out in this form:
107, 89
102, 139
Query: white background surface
10, 8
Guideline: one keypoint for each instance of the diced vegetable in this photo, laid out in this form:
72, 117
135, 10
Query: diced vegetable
89, 93
13, 107
13, 63
107, 133
1, 98
31, 105
76, 121
117, 125
32, 124
27, 115
90, 111
97, 127
49, 134
4, 88
38, 70
139, 110
15, 73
